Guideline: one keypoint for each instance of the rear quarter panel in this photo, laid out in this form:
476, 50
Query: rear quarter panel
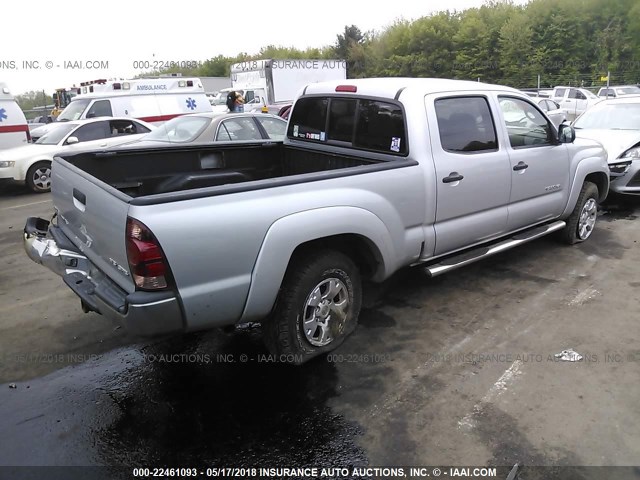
212, 243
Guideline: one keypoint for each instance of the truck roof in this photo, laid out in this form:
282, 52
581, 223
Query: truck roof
5, 93
390, 87
140, 86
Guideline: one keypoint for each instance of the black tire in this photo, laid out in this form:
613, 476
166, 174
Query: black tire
36, 182
283, 331
571, 234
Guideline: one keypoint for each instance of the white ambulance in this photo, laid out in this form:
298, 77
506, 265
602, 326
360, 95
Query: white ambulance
14, 131
152, 100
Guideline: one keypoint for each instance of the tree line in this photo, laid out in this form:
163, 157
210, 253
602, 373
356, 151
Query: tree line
574, 42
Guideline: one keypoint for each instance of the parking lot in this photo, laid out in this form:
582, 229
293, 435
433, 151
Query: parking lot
457, 370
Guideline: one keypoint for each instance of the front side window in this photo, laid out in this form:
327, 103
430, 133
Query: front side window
91, 131
101, 108
465, 124
525, 124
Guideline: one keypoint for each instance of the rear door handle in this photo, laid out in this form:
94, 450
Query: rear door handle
453, 177
79, 200
520, 166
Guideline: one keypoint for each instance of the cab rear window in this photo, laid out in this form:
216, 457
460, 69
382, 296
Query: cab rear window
366, 124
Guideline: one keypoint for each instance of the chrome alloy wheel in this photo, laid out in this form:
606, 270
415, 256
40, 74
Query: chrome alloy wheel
42, 178
325, 312
587, 219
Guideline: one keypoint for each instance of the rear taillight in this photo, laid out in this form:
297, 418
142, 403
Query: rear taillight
147, 263
28, 135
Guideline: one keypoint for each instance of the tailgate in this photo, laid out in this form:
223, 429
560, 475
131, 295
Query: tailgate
94, 217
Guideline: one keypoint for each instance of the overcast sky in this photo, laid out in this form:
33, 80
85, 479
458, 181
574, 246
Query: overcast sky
121, 33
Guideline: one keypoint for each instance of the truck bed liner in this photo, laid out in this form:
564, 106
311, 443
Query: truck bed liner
142, 172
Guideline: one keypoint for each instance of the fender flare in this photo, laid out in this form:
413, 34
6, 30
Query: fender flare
585, 168
287, 233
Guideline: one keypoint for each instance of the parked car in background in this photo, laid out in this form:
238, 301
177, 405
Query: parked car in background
151, 100
619, 91
537, 92
615, 123
31, 163
214, 127
14, 130
574, 100
556, 114
39, 121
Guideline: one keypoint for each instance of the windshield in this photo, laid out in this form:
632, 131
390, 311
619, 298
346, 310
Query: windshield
628, 91
56, 134
612, 116
73, 111
180, 129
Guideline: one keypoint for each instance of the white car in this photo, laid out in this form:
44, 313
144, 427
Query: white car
31, 163
556, 114
615, 123
620, 91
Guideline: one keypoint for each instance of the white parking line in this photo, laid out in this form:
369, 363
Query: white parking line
468, 422
25, 205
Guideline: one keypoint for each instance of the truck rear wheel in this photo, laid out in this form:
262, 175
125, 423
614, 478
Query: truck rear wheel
582, 220
317, 307
39, 177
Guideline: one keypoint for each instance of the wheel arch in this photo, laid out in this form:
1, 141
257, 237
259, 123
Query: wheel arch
354, 231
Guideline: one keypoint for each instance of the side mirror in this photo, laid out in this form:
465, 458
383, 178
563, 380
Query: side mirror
566, 133
72, 140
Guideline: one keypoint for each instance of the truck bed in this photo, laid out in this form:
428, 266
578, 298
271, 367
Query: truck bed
143, 172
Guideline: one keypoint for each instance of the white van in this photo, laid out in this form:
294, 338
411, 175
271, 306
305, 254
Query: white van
151, 100
14, 131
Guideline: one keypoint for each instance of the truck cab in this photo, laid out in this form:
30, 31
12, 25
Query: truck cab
574, 100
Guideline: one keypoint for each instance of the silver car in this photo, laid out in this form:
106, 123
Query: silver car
615, 123
215, 127
556, 114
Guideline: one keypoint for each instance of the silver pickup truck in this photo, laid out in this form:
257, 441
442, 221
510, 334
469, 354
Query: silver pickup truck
373, 176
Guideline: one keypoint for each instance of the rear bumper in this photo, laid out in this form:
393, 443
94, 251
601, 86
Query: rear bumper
141, 313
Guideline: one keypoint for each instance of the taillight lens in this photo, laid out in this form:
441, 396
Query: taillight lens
28, 135
147, 263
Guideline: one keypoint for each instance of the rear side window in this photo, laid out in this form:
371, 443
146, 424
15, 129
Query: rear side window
92, 131
380, 127
362, 123
309, 119
465, 124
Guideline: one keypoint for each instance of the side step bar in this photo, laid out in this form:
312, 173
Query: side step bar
462, 259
